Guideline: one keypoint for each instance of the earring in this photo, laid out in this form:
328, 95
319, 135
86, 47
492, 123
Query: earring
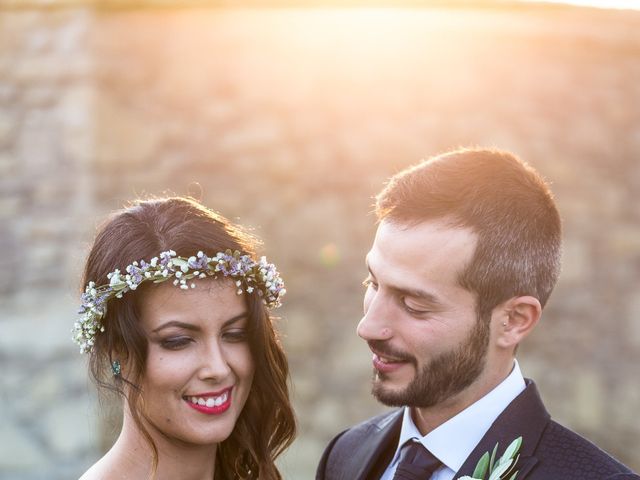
504, 324
115, 368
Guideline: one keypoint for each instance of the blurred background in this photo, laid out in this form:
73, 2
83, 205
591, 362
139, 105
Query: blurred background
288, 120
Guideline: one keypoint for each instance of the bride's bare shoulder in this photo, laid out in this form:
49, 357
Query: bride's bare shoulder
92, 474
95, 472
102, 470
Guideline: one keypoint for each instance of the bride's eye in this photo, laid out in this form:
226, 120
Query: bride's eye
175, 343
236, 335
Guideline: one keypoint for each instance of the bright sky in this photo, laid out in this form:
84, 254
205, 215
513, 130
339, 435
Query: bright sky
624, 4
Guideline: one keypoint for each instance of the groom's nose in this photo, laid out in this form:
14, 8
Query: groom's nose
374, 325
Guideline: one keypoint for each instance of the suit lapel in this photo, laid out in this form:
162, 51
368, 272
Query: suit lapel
367, 455
525, 417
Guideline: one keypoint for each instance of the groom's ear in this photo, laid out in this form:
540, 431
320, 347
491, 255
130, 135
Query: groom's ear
514, 319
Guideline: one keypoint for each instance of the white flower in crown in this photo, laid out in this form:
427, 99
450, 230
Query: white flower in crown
250, 276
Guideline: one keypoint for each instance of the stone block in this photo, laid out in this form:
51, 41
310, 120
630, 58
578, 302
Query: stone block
37, 141
33, 70
75, 110
576, 260
305, 385
624, 241
70, 33
9, 205
589, 400
356, 362
39, 329
632, 321
7, 129
301, 458
8, 168
123, 136
47, 386
20, 451
327, 415
300, 331
257, 134
40, 96
69, 428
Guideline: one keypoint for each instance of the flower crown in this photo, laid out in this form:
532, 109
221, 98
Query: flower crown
250, 276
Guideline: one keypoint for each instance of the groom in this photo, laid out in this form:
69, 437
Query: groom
466, 254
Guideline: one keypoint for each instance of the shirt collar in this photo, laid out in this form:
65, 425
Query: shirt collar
453, 441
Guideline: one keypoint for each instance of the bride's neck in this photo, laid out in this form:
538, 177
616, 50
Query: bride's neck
176, 459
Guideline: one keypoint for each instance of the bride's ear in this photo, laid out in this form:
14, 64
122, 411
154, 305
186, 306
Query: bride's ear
514, 319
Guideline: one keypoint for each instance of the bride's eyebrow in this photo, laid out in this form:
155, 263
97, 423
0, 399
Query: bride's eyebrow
237, 318
175, 323
195, 328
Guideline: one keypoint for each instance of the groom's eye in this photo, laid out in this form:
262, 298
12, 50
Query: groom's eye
368, 282
413, 311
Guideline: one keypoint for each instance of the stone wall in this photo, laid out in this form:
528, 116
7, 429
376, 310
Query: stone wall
290, 120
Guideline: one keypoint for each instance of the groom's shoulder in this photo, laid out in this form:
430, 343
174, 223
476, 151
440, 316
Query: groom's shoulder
340, 450
361, 431
566, 454
364, 428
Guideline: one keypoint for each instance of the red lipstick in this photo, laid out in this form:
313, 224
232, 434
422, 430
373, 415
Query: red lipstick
215, 403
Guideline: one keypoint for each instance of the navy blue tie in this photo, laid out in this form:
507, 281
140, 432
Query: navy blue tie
416, 463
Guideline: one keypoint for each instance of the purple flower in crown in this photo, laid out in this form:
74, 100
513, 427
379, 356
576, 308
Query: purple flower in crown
144, 266
136, 275
235, 267
87, 300
103, 297
246, 264
199, 262
223, 263
165, 258
229, 264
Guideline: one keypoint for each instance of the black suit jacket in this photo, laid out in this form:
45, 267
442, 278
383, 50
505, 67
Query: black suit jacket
549, 451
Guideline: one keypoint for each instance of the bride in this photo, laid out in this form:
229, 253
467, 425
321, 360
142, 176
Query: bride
175, 319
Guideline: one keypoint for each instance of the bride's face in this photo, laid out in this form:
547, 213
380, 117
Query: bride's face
199, 366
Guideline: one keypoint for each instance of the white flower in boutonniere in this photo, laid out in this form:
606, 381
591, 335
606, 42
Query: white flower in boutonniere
503, 468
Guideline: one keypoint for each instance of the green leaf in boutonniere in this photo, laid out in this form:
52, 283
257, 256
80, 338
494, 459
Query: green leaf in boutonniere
503, 468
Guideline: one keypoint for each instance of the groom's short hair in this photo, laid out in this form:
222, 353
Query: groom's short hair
504, 201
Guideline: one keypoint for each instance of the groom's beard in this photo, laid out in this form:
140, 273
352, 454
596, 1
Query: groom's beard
444, 376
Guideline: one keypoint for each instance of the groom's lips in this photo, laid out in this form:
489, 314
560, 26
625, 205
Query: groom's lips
386, 364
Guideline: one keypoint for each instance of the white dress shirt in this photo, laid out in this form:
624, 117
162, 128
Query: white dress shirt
453, 441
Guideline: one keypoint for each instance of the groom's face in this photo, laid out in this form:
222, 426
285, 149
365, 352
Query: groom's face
428, 345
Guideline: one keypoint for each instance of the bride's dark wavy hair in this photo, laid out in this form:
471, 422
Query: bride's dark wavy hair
266, 426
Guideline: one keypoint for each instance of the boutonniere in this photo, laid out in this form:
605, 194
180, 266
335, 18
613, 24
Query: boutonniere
502, 468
